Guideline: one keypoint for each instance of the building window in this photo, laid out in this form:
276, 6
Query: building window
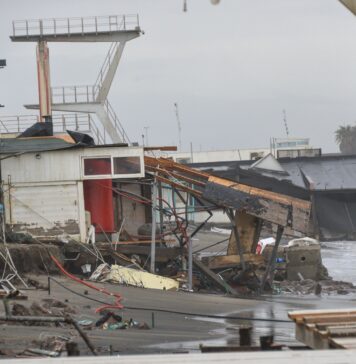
97, 166
127, 165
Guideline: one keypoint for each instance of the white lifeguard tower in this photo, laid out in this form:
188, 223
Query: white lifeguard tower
86, 100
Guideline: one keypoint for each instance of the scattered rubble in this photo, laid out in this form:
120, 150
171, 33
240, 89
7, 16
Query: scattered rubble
309, 286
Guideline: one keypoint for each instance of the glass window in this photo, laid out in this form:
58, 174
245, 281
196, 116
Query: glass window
97, 166
127, 165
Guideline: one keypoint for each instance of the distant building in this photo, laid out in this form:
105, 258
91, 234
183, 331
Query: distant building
279, 147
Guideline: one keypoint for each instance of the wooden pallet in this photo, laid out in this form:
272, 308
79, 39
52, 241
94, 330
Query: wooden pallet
326, 329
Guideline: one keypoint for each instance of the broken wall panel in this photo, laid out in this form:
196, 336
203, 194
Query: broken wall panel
44, 210
131, 213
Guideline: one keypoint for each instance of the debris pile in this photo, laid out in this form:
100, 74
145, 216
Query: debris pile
133, 277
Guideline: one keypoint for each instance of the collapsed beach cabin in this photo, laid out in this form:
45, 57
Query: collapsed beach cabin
54, 189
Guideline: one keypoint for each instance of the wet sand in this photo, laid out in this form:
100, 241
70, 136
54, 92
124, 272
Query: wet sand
175, 332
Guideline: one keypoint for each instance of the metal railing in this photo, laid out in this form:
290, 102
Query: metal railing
75, 26
105, 68
86, 94
83, 123
73, 94
116, 122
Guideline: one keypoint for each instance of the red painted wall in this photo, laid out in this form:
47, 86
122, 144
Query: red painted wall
98, 199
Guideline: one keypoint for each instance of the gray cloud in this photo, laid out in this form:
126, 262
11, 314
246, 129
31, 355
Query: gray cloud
232, 68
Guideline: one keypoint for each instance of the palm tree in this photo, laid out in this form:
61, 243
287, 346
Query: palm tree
345, 137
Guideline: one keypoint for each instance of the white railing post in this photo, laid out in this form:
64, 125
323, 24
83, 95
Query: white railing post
18, 124
63, 95
75, 93
68, 26
13, 28
96, 25
82, 26
55, 27
124, 22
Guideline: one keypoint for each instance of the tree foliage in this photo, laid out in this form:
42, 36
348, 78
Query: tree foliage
345, 137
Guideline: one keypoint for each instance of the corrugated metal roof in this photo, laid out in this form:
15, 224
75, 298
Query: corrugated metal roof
328, 173
40, 144
23, 145
332, 172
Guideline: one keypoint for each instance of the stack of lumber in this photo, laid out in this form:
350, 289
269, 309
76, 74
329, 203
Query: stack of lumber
325, 329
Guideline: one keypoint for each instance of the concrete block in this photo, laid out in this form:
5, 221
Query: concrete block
305, 260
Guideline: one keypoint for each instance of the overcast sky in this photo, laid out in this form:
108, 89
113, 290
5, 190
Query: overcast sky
232, 68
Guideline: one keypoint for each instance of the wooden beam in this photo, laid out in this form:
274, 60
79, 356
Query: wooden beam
179, 186
269, 273
229, 261
246, 225
166, 148
214, 277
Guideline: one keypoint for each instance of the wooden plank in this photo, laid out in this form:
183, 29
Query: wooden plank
182, 177
343, 343
332, 318
179, 186
214, 277
166, 163
228, 261
166, 148
246, 225
324, 326
342, 331
135, 242
299, 316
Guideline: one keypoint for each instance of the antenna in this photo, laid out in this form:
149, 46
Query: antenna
285, 122
179, 125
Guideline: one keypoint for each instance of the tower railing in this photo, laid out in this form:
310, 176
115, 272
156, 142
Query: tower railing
73, 94
68, 26
83, 123
116, 122
104, 68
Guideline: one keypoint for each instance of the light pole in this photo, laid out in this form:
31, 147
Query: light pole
2, 65
146, 134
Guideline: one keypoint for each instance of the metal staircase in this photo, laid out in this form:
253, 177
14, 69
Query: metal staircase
116, 29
